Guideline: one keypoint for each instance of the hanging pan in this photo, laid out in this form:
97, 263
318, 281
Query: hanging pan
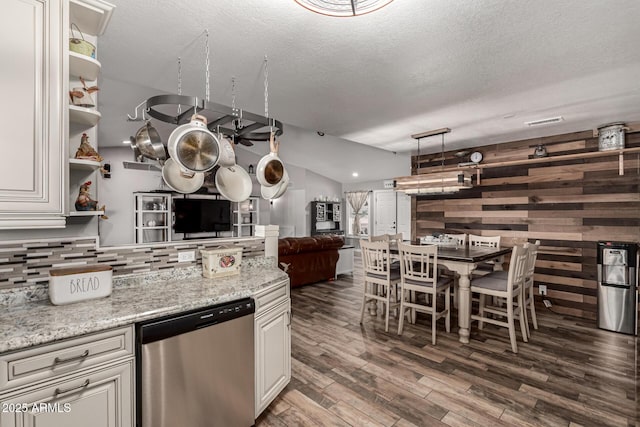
276, 191
149, 144
227, 156
270, 168
193, 146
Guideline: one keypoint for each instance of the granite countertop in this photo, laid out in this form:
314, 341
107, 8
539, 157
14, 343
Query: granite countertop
134, 298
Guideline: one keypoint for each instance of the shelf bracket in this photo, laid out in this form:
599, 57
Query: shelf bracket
621, 164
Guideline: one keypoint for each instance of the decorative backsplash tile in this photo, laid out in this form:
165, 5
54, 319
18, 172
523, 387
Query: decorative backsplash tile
26, 263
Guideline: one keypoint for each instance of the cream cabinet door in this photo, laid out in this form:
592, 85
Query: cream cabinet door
273, 354
33, 117
102, 398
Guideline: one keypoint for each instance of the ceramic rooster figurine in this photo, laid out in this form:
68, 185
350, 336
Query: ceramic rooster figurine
86, 151
84, 202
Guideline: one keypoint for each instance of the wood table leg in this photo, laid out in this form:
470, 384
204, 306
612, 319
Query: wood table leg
464, 307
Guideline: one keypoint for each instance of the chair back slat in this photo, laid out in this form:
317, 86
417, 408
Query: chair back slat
517, 268
375, 257
484, 241
531, 260
419, 263
379, 238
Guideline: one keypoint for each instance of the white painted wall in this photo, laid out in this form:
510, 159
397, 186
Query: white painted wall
293, 208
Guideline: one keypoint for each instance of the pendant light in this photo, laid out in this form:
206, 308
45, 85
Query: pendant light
443, 182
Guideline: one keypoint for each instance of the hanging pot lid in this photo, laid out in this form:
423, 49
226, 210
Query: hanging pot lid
193, 146
179, 180
234, 183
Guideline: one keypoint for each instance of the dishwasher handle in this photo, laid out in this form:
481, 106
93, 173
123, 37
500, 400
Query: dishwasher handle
169, 326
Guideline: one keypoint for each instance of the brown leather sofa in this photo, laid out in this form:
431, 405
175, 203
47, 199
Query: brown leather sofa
309, 259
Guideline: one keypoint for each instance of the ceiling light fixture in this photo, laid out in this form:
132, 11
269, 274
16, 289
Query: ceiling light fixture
436, 182
355, 174
342, 8
547, 121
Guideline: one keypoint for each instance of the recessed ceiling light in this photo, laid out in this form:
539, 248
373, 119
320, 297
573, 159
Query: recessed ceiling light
355, 174
126, 142
544, 121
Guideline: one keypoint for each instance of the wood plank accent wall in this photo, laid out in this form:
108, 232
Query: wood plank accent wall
568, 205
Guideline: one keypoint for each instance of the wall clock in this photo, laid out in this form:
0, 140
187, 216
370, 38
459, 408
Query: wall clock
476, 157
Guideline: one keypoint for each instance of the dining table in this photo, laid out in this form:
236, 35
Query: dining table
463, 260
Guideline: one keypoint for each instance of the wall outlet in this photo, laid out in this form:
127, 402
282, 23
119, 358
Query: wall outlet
542, 289
547, 303
186, 256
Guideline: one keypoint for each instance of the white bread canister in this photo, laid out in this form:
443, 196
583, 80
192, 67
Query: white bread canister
67, 285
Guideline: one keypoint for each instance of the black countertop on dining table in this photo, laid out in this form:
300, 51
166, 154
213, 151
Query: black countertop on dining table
467, 253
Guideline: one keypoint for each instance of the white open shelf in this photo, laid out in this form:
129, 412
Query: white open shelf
91, 16
83, 66
84, 116
81, 164
86, 213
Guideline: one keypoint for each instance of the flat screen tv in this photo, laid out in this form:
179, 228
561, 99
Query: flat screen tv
201, 215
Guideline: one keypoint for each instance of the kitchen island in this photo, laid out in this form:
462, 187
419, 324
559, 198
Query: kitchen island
82, 354
135, 297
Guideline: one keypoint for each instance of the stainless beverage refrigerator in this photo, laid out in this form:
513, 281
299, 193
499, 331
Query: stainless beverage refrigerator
618, 286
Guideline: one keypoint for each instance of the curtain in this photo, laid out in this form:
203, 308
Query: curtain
356, 200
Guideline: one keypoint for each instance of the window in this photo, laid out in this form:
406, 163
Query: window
363, 219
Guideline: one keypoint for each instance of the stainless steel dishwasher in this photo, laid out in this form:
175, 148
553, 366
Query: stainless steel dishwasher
196, 369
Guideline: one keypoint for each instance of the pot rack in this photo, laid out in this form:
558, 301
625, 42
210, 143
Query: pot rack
239, 125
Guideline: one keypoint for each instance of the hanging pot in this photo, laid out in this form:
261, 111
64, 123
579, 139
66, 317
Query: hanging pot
149, 144
180, 180
227, 156
193, 146
275, 191
234, 183
270, 168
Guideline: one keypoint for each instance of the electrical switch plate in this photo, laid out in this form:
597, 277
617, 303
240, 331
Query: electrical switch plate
186, 256
542, 289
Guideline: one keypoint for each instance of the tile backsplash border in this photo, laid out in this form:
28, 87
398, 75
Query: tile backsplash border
26, 263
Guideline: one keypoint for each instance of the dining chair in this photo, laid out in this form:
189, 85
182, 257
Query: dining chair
509, 291
380, 280
487, 242
419, 275
461, 240
528, 298
395, 238
379, 238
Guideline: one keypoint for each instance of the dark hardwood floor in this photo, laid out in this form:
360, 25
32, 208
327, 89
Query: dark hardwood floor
347, 374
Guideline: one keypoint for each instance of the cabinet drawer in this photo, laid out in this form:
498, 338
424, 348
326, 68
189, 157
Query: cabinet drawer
51, 360
100, 397
271, 296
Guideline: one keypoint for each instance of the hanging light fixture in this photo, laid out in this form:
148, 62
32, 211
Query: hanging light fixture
343, 8
435, 182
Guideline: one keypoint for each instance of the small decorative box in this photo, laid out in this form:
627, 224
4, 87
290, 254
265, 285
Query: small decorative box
221, 262
67, 285
611, 137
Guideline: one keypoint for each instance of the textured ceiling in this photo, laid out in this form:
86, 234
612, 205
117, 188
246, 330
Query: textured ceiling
481, 68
